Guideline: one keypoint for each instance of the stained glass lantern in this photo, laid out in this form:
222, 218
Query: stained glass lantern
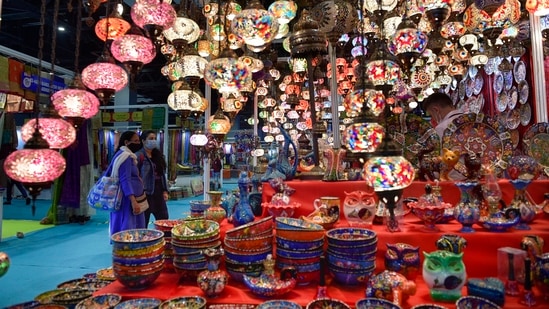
408, 43
153, 16
75, 103
111, 27
199, 139
57, 132
191, 66
388, 172
489, 6
437, 11
133, 51
184, 31
382, 69
104, 77
453, 30
184, 98
219, 125
226, 73
255, 25
335, 17
283, 10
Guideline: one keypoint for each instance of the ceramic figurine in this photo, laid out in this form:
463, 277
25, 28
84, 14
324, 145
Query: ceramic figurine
391, 286
283, 191
212, 280
452, 243
243, 212
444, 273
267, 284
229, 203
359, 208
526, 208
490, 288
404, 259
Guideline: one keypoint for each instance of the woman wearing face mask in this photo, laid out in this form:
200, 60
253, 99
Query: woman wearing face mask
152, 167
130, 183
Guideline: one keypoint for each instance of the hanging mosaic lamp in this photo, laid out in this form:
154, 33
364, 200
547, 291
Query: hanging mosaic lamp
104, 77
75, 103
133, 50
154, 17
111, 27
407, 44
255, 25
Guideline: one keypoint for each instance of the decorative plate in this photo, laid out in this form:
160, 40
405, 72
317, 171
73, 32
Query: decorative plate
472, 71
501, 102
520, 71
523, 92
47, 297
507, 80
513, 119
479, 83
525, 114
512, 98
414, 134
535, 142
476, 104
469, 87
491, 66
478, 134
498, 82
461, 89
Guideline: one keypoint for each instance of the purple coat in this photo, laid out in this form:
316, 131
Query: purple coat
131, 184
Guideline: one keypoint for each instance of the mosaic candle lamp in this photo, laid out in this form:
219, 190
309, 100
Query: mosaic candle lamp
226, 73
75, 101
408, 43
57, 132
111, 27
284, 11
134, 51
105, 78
255, 25
153, 17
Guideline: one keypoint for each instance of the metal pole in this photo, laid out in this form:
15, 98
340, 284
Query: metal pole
334, 97
538, 66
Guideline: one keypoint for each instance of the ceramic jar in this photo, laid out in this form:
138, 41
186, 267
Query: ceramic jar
444, 273
243, 211
359, 208
467, 211
404, 259
212, 280
541, 274
522, 203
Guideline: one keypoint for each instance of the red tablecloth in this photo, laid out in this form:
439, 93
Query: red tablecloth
480, 254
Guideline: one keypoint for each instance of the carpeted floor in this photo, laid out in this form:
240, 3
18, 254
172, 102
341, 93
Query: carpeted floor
10, 228
45, 258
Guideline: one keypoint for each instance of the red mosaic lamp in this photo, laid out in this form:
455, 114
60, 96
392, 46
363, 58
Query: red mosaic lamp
111, 27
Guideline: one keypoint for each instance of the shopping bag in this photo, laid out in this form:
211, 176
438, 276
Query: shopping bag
106, 193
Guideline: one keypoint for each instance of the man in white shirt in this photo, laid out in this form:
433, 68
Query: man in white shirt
442, 111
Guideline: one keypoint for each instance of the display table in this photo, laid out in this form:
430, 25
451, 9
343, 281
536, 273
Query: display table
480, 255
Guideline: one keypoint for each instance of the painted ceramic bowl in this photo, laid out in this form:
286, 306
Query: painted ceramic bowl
166, 226
238, 270
103, 301
428, 306
269, 286
522, 167
300, 235
136, 239
345, 262
466, 302
25, 305
248, 258
142, 303
179, 248
350, 236
429, 214
289, 244
327, 303
47, 297
296, 224
71, 297
195, 230
184, 302
136, 261
281, 259
138, 281
298, 254
106, 274
280, 210
199, 206
72, 284
375, 303
94, 285
351, 276
354, 249
278, 304
51, 306
252, 229
499, 222
149, 251
249, 243
357, 256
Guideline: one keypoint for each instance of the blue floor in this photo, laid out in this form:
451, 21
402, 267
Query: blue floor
43, 259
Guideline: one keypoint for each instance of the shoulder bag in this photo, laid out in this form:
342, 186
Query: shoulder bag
106, 193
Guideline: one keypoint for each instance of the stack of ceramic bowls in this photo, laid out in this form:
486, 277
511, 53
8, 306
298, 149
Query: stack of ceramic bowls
299, 244
189, 239
166, 227
351, 254
198, 208
137, 257
247, 247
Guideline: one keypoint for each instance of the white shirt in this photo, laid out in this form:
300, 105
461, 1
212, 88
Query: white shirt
443, 124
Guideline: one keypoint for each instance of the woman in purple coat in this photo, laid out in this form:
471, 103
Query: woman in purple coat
131, 184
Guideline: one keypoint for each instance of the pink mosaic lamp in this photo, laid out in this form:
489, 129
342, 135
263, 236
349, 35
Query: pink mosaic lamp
154, 16
133, 50
58, 133
104, 77
75, 103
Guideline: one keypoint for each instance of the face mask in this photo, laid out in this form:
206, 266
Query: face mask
150, 144
134, 147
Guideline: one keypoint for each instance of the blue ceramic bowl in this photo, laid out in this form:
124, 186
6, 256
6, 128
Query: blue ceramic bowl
136, 261
278, 304
298, 254
142, 303
428, 306
358, 249
499, 223
194, 302
344, 262
296, 224
138, 281
375, 303
136, 239
247, 258
199, 206
323, 303
351, 276
466, 302
71, 297
188, 258
201, 264
298, 245
100, 301
351, 237
300, 267
194, 249
355, 257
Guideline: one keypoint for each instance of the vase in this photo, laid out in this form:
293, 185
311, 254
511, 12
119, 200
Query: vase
520, 202
243, 211
334, 159
444, 273
212, 280
215, 212
467, 210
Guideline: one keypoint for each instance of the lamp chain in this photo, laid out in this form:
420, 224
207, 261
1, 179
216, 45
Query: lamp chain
78, 30
40, 56
53, 43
